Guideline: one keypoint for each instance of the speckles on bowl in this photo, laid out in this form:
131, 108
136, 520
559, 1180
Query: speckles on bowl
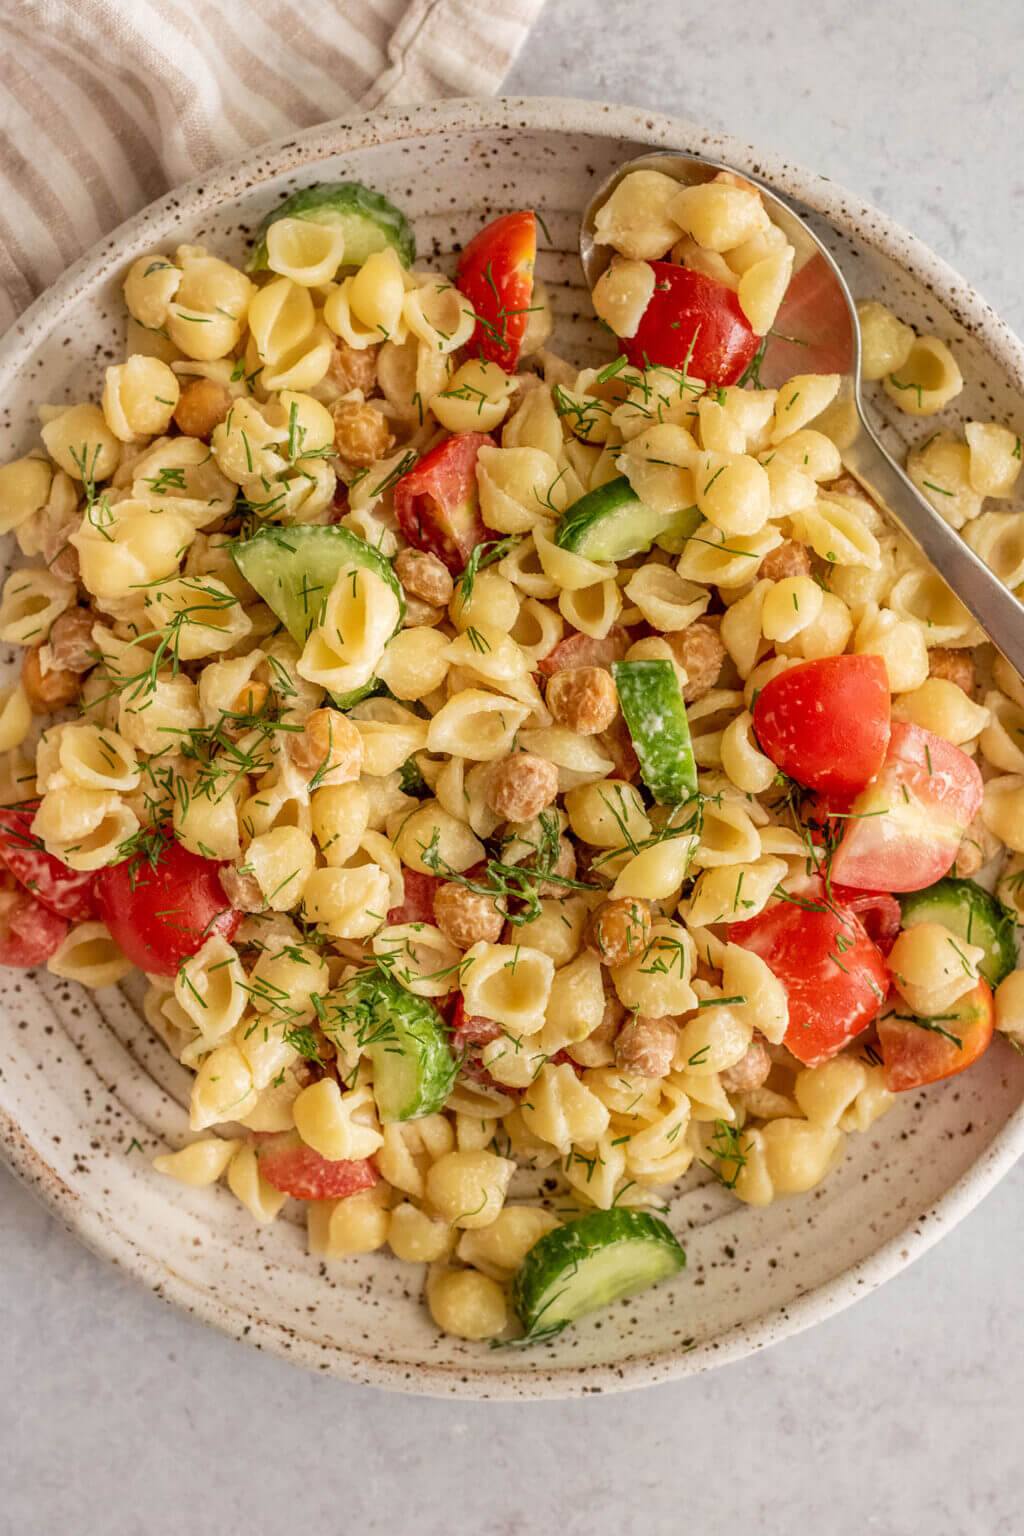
87, 1091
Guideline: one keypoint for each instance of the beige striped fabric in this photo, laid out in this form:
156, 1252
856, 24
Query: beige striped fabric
105, 104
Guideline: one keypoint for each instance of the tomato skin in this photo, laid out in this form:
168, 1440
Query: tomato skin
418, 903
584, 651
692, 322
436, 502
161, 915
295, 1169
905, 828
914, 1056
68, 892
878, 911
826, 723
29, 931
831, 1000
495, 273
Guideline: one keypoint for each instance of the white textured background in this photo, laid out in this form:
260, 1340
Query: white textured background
901, 1417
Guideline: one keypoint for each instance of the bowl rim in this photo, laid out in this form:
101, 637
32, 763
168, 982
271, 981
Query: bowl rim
846, 211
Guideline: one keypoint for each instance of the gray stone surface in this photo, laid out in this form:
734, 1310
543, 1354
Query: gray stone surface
119, 1416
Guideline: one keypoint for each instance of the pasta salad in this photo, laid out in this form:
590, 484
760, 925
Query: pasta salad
495, 765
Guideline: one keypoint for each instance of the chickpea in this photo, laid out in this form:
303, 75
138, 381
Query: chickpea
361, 433
788, 559
584, 699
465, 917
49, 690
421, 615
699, 650
66, 564
241, 889
620, 929
72, 647
955, 666
352, 367
565, 865
330, 749
750, 1071
203, 405
598, 1049
521, 786
646, 1046
424, 576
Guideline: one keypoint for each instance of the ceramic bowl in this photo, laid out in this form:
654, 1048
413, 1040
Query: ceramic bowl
88, 1093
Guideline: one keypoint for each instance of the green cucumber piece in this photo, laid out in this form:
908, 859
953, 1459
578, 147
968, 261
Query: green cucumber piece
612, 523
590, 1263
406, 1039
369, 221
969, 912
294, 568
653, 708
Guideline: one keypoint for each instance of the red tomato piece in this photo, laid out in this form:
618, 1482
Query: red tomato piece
693, 322
29, 932
915, 1055
164, 910
826, 723
496, 274
418, 903
295, 1169
436, 502
904, 829
584, 651
68, 892
835, 978
811, 332
878, 911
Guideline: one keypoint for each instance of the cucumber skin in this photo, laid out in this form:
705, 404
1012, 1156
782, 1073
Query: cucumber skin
419, 1030
606, 510
570, 1246
995, 927
283, 546
662, 741
361, 202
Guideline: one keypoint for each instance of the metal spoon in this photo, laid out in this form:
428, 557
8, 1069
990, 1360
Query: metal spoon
984, 596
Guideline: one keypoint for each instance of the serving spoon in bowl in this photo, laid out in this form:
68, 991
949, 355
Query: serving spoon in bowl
833, 350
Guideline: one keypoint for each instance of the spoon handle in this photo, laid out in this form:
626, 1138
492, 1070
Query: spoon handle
994, 606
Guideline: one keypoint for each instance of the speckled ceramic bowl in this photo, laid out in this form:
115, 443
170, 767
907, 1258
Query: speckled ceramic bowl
88, 1094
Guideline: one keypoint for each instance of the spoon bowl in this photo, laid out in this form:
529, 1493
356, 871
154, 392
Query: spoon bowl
829, 342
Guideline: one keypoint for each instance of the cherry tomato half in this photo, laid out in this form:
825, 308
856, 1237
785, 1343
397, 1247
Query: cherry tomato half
495, 273
162, 909
437, 505
693, 322
826, 723
915, 1054
68, 892
29, 932
835, 978
903, 831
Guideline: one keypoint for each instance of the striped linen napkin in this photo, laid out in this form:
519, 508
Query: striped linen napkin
105, 104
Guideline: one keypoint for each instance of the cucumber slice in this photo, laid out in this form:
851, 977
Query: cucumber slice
590, 1263
406, 1039
612, 523
968, 911
293, 569
652, 704
369, 221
